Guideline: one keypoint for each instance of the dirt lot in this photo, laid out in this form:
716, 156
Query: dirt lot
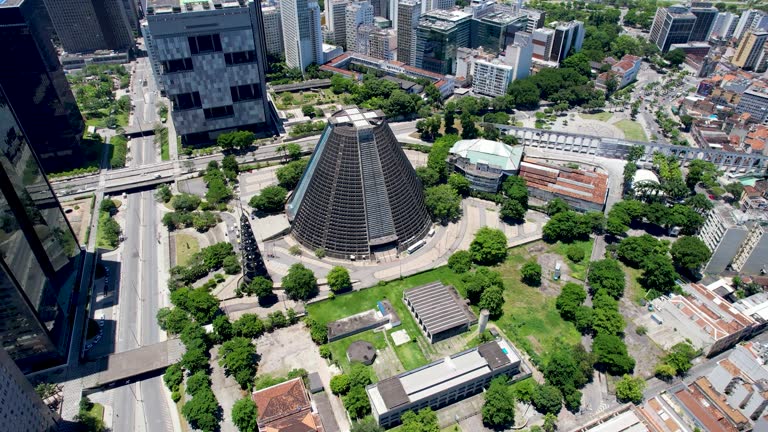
641, 347
78, 214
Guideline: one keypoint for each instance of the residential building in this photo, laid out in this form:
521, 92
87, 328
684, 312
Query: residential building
754, 101
491, 78
732, 234
408, 15
35, 85
705, 19
440, 311
20, 406
90, 25
286, 407
443, 382
357, 14
750, 50
438, 36
39, 256
724, 26
359, 195
486, 164
624, 72
302, 34
273, 30
210, 60
748, 20
568, 36
336, 21
377, 42
519, 54
582, 190
542, 43
671, 25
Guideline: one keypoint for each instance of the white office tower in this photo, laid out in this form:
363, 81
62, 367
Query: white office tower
748, 20
273, 30
357, 14
336, 21
542, 38
519, 55
408, 14
302, 36
725, 25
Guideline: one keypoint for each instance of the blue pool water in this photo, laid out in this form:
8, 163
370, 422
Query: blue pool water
504, 350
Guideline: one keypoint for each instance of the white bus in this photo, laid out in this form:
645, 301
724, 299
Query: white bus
416, 246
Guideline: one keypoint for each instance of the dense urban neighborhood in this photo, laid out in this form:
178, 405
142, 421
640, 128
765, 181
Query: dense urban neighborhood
370, 215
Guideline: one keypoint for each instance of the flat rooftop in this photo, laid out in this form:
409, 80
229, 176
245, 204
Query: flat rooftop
10, 3
181, 6
356, 117
438, 307
441, 375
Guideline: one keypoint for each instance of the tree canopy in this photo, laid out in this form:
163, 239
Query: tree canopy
443, 203
499, 408
689, 253
300, 283
608, 276
245, 415
339, 280
270, 199
489, 246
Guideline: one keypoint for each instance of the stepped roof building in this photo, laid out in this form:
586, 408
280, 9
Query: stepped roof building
359, 195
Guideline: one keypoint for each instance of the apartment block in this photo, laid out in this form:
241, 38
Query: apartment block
20, 406
408, 15
750, 50
302, 34
90, 25
672, 25
273, 30
377, 42
748, 20
210, 60
755, 102
724, 26
542, 43
736, 239
336, 21
752, 256
357, 14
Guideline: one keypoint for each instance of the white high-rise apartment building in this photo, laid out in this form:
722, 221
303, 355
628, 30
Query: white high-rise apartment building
747, 21
519, 55
336, 21
491, 78
273, 30
302, 35
725, 25
357, 14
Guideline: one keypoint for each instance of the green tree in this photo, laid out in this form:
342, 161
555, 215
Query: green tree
289, 175
238, 358
359, 375
429, 127
575, 253
300, 283
570, 298
339, 280
340, 384
423, 421
356, 402
659, 274
443, 203
489, 246
630, 389
608, 276
468, 127
566, 227
492, 299
512, 210
556, 206
236, 139
699, 202
499, 408
548, 399
203, 411
197, 382
611, 355
530, 273
675, 57
680, 356
248, 325
172, 320
689, 253
163, 193
260, 286
634, 251
460, 261
367, 424
222, 327
245, 415
607, 321
229, 163
270, 199
436, 160
459, 183
516, 189
185, 202
173, 377
202, 305
428, 176
664, 371
293, 150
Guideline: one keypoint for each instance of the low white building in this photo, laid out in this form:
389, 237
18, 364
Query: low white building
485, 163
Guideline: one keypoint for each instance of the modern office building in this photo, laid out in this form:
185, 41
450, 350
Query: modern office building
748, 20
438, 36
750, 50
302, 34
273, 30
358, 13
443, 382
39, 256
377, 42
542, 43
568, 38
21, 408
705, 19
408, 15
755, 102
90, 25
36, 87
486, 164
724, 26
535, 19
494, 26
672, 25
336, 21
359, 195
210, 60
132, 14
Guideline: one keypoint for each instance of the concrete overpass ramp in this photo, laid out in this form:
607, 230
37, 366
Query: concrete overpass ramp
138, 364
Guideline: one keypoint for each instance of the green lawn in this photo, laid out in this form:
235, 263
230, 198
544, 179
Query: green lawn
101, 239
410, 354
530, 318
602, 116
165, 151
97, 411
339, 347
578, 270
632, 130
186, 246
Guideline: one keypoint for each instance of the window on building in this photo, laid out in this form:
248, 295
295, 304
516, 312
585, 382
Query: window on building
204, 44
185, 101
219, 112
179, 65
245, 92
240, 57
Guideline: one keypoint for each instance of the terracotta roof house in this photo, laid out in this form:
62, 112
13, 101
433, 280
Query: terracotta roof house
286, 407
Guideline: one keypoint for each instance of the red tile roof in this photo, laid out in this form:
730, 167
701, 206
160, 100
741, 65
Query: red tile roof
583, 185
285, 408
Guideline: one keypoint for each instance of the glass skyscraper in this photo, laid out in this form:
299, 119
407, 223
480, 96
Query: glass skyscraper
39, 255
